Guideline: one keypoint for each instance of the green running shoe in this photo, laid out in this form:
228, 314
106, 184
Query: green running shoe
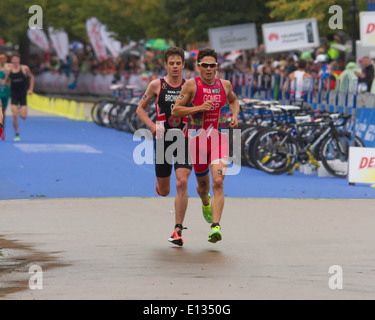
17, 138
207, 211
215, 235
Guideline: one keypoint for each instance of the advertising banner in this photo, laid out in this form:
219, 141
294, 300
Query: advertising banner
361, 165
291, 35
60, 41
112, 44
367, 28
39, 38
238, 37
93, 31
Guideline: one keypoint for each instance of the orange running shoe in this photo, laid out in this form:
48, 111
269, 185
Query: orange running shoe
176, 237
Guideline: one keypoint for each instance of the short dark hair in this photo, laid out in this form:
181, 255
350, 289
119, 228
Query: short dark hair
174, 51
206, 53
302, 64
16, 54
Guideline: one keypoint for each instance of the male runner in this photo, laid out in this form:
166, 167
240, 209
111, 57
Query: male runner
204, 99
165, 92
19, 89
4, 90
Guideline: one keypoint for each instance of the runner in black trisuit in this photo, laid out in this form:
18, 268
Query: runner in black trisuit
165, 92
20, 87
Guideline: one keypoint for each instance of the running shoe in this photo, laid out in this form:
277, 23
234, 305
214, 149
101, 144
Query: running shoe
215, 235
17, 138
176, 238
207, 211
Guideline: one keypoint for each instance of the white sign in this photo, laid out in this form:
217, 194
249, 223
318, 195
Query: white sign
291, 35
367, 28
363, 51
361, 165
238, 37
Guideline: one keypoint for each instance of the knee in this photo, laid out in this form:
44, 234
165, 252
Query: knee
218, 184
164, 191
203, 190
182, 184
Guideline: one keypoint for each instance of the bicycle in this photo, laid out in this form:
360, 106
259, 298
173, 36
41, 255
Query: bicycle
277, 150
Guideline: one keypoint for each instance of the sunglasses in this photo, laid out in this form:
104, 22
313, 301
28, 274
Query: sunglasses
206, 65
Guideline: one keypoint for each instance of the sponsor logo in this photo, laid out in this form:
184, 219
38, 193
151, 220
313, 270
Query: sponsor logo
174, 122
367, 163
273, 36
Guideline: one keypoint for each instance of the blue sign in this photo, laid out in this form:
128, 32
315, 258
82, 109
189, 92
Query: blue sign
370, 5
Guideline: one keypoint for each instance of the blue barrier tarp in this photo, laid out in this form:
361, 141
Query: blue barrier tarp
61, 158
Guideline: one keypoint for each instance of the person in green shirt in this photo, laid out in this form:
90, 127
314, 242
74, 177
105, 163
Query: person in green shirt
4, 91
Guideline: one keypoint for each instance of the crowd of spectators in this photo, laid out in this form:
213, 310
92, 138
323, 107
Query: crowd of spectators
329, 61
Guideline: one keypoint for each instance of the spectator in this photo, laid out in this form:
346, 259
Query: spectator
366, 77
348, 75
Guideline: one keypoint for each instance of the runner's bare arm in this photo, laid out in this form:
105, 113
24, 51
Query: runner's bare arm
186, 97
150, 93
1, 114
234, 105
7, 72
32, 79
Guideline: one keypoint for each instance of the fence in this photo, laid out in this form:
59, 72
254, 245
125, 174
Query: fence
267, 88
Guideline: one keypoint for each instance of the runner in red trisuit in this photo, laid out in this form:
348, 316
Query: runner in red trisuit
204, 99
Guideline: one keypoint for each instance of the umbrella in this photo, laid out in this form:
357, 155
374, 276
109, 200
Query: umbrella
158, 44
136, 51
193, 53
233, 56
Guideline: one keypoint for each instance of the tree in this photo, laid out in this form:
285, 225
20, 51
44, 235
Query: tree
284, 10
191, 19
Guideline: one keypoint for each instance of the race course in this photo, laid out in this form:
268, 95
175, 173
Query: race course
73, 202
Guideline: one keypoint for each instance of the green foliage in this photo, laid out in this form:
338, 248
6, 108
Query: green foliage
284, 10
184, 21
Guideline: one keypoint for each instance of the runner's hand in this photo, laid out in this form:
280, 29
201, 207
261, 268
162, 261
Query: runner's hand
234, 123
206, 106
157, 129
30, 92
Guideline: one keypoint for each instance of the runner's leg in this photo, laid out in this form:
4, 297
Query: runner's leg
203, 188
218, 170
23, 112
164, 186
181, 201
15, 118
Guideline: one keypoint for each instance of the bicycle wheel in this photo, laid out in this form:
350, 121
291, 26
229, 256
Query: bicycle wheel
275, 152
334, 153
95, 112
246, 132
103, 113
249, 145
114, 115
122, 118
